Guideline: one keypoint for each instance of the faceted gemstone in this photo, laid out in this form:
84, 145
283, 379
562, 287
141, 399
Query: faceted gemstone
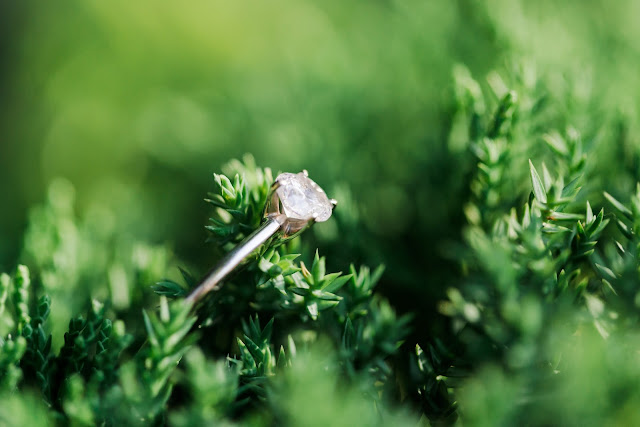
302, 198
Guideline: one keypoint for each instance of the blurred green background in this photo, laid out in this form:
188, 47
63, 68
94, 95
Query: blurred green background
138, 103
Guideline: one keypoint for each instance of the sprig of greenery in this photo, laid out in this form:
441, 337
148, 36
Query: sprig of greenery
36, 364
433, 391
238, 205
169, 339
22, 281
314, 289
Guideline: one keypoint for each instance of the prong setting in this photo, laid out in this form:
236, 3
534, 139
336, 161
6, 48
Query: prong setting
299, 201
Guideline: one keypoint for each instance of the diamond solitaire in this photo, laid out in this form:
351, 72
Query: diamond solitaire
302, 198
296, 202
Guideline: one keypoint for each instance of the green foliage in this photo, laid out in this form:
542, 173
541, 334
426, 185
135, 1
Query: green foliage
328, 401
36, 363
503, 200
83, 259
433, 392
523, 268
212, 391
87, 380
239, 205
23, 409
317, 289
535, 278
21, 296
12, 351
168, 340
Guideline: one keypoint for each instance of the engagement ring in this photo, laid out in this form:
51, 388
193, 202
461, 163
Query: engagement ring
294, 203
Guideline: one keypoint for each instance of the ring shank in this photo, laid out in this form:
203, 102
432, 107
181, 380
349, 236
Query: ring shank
234, 258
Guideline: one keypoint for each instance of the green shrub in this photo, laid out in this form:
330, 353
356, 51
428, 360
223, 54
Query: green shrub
485, 152
541, 303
